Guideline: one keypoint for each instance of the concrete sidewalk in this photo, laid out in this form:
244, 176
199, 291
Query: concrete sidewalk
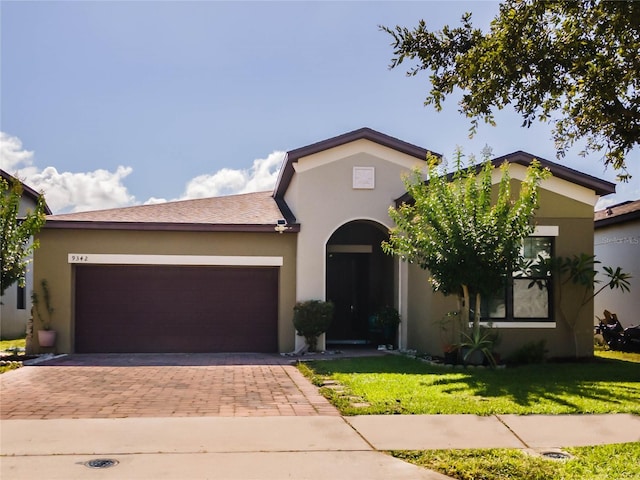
230, 448
317, 447
538, 432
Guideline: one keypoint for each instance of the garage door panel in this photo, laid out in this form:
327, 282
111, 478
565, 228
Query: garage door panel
176, 309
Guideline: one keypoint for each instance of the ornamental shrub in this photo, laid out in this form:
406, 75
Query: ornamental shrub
311, 319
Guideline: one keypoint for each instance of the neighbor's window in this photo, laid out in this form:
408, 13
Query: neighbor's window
21, 302
517, 301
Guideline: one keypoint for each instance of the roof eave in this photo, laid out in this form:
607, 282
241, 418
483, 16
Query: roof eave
28, 191
599, 186
621, 218
166, 226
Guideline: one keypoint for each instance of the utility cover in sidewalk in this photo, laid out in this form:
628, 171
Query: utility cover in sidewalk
556, 455
101, 463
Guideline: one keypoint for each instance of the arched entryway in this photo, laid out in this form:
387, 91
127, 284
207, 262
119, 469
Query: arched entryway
359, 281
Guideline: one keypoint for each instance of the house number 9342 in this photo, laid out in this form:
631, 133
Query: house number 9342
79, 258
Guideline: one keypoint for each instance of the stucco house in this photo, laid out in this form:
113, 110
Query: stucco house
15, 304
223, 274
617, 243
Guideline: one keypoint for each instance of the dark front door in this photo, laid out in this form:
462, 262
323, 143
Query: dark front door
348, 289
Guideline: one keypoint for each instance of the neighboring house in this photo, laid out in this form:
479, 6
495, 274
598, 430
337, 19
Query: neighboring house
15, 304
617, 244
223, 274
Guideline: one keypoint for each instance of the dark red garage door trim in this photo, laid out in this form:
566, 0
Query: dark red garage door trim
168, 308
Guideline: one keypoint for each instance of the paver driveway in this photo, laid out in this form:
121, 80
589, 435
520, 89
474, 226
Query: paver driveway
167, 385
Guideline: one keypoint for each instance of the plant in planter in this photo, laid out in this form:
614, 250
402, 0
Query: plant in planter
477, 346
46, 336
311, 319
387, 320
449, 329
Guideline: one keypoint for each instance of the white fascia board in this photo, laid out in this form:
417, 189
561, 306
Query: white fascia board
353, 148
546, 231
203, 260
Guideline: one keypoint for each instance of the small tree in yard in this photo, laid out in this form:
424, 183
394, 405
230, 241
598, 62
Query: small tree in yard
452, 228
16, 234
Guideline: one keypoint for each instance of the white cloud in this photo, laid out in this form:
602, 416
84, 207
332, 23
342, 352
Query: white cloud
12, 155
260, 177
83, 191
103, 189
66, 191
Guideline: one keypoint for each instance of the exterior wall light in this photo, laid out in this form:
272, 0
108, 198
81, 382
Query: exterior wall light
281, 226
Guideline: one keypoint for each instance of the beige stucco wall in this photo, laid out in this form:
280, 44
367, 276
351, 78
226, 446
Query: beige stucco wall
574, 219
322, 197
51, 262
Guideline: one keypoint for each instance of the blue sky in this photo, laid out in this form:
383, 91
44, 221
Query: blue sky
108, 104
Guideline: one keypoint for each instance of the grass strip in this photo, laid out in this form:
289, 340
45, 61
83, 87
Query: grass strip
602, 462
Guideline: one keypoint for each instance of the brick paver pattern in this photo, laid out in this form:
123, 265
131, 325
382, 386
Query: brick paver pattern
112, 386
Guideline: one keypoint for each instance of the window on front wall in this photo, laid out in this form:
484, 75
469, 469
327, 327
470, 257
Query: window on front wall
526, 296
21, 301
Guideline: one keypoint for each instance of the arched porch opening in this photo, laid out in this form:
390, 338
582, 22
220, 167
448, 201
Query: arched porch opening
359, 281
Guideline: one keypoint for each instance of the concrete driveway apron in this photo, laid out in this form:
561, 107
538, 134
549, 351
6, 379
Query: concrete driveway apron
162, 385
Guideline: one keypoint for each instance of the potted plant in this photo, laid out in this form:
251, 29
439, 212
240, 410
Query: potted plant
311, 319
46, 336
388, 320
477, 346
449, 328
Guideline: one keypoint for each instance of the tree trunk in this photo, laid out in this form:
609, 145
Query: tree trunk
464, 314
476, 313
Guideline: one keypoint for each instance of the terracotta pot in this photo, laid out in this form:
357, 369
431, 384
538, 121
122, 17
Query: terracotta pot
47, 338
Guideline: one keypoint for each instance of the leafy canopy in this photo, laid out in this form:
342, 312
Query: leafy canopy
16, 234
454, 228
574, 64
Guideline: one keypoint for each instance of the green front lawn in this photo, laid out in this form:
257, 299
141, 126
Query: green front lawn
10, 344
398, 384
603, 462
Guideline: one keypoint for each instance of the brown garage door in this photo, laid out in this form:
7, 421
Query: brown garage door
176, 309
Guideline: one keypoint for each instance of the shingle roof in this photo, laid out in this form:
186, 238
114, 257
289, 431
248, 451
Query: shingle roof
620, 213
250, 211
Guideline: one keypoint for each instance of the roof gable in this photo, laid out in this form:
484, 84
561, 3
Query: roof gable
28, 192
287, 170
599, 186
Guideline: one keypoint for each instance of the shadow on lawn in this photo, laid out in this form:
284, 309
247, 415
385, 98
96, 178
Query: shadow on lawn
610, 381
604, 381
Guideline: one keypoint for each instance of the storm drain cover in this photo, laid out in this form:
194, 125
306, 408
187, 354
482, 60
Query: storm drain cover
101, 463
556, 455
